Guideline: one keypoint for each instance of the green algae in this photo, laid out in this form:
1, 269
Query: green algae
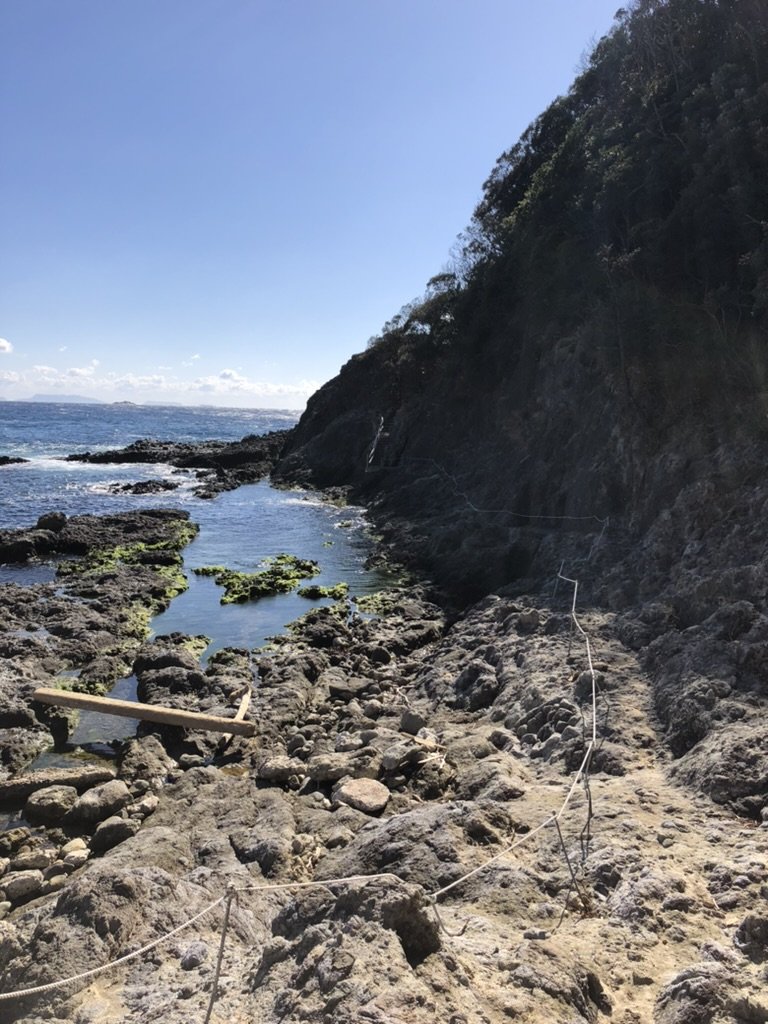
315, 591
379, 603
280, 575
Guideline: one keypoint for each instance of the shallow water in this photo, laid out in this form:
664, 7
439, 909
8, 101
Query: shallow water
238, 529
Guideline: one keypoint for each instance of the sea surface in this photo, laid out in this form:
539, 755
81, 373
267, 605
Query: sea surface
238, 529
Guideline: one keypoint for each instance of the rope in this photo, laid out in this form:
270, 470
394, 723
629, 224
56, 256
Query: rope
318, 883
21, 993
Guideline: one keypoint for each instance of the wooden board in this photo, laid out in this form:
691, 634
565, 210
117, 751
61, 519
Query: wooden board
145, 712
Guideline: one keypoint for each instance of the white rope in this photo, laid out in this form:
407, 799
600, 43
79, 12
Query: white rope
21, 993
319, 883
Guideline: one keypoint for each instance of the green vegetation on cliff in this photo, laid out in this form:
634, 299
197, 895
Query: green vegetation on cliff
637, 203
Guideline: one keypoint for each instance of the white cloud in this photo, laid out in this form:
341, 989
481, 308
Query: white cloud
81, 372
195, 356
227, 387
5, 346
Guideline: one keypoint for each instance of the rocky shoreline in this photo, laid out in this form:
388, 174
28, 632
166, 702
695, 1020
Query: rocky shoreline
417, 745
221, 465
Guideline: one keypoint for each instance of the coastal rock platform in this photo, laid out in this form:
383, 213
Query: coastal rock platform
404, 754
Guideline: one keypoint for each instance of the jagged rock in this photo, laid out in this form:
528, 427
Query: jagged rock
476, 686
751, 937
13, 839
53, 521
693, 996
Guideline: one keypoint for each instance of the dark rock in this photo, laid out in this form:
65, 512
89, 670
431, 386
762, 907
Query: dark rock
53, 521
751, 937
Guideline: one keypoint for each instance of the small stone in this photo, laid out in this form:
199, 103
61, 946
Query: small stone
278, 768
53, 884
411, 721
535, 933
144, 807
72, 845
345, 742
641, 979
187, 761
54, 870
5, 909
195, 955
366, 795
4, 865
76, 858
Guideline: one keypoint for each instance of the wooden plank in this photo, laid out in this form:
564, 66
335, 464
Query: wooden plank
246, 700
145, 712
240, 714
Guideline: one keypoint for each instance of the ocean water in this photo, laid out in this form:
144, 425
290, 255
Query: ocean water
238, 529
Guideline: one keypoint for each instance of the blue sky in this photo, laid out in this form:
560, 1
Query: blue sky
220, 201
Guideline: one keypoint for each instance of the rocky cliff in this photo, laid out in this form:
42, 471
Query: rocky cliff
587, 383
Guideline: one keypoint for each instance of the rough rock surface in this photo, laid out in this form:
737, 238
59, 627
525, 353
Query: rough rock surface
473, 736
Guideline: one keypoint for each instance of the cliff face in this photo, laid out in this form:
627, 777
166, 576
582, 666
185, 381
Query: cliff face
588, 386
598, 348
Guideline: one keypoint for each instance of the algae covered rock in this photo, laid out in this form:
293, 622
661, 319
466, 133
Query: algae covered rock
280, 575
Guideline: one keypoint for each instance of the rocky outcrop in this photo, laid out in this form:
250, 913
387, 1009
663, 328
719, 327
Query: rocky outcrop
222, 465
363, 766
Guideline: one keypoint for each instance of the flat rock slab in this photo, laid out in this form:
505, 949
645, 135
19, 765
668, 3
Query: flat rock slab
15, 792
366, 795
